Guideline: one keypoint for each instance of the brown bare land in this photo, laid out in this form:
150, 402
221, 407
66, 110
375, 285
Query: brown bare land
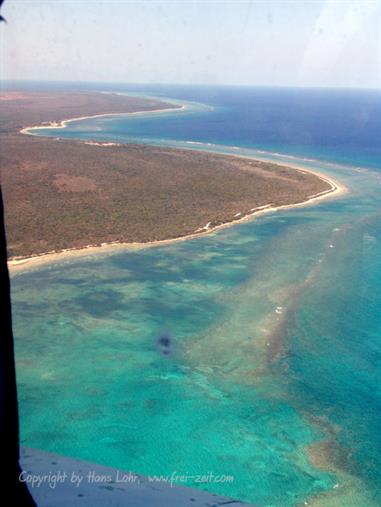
68, 194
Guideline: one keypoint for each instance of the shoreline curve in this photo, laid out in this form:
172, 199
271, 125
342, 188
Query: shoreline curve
23, 263
63, 123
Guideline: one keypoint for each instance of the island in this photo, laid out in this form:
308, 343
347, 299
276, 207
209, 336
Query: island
63, 195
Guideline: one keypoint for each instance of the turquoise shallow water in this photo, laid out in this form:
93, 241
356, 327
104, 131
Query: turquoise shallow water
273, 371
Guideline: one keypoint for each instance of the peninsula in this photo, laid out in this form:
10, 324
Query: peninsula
68, 194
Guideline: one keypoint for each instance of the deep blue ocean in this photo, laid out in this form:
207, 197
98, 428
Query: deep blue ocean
329, 124
275, 373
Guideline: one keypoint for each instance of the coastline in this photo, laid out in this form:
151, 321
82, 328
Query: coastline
63, 124
19, 264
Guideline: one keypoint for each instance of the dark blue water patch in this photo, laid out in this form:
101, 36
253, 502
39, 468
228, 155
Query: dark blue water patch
148, 266
278, 223
97, 303
177, 313
336, 125
29, 307
143, 266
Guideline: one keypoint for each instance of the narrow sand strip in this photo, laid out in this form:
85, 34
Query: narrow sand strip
63, 124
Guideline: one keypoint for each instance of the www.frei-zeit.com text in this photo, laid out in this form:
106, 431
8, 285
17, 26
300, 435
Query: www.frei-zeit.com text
52, 479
